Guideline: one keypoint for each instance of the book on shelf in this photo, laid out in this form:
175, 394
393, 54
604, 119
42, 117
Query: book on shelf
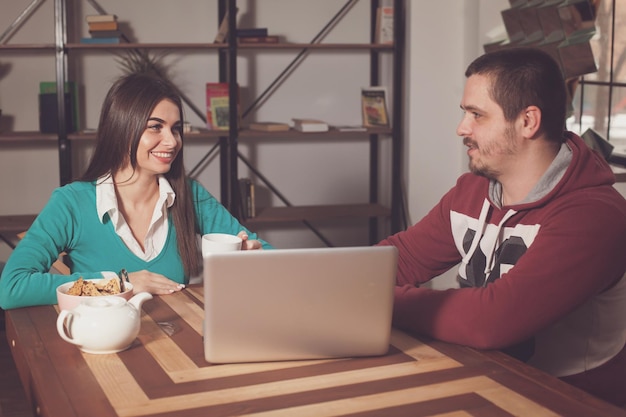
247, 198
251, 32
222, 31
48, 107
268, 126
100, 40
259, 39
218, 106
384, 25
350, 128
95, 26
374, 106
92, 18
220, 113
310, 125
105, 33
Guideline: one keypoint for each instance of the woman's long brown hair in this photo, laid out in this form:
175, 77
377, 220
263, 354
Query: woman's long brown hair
125, 112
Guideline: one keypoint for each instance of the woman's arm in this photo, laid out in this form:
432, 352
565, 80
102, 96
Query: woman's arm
26, 279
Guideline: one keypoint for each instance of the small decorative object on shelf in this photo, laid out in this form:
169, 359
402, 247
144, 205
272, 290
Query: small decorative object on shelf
384, 25
269, 126
310, 125
374, 106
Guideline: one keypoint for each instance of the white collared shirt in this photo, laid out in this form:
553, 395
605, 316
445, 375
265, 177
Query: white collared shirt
106, 202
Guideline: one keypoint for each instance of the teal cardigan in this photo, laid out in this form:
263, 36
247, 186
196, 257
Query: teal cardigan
69, 223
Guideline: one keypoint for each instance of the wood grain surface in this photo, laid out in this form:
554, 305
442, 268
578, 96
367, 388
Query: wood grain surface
164, 373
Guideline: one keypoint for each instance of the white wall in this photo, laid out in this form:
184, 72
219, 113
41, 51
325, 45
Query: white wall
445, 36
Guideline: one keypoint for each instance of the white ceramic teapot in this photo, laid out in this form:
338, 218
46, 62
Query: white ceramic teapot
103, 324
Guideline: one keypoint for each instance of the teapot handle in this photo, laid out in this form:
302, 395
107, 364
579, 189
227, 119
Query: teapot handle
65, 315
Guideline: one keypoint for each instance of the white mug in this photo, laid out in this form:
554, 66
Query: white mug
220, 242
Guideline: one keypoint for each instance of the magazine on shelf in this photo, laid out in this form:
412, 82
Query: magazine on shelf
217, 106
222, 31
374, 106
384, 25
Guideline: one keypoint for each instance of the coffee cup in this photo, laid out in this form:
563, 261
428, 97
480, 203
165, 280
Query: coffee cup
220, 242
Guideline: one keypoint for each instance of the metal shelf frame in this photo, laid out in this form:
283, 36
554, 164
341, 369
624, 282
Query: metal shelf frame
227, 143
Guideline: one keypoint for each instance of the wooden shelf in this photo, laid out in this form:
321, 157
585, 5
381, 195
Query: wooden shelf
27, 137
16, 223
302, 213
28, 47
296, 135
94, 46
204, 134
248, 46
342, 46
34, 137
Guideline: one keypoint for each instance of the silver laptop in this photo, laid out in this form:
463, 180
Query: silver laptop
291, 304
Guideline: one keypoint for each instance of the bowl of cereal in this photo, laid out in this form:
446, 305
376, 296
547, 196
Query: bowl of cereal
71, 294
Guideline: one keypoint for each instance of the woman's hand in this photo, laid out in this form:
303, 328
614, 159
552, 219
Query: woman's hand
153, 283
247, 244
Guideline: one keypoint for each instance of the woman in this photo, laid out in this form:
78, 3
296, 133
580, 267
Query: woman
133, 209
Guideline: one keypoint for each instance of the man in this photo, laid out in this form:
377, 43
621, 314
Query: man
537, 229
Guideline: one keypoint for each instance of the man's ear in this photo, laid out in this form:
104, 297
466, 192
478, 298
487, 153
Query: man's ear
531, 121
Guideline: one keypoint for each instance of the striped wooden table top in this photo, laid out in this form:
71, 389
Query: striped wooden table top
164, 374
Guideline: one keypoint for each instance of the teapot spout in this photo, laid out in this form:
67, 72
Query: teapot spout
138, 299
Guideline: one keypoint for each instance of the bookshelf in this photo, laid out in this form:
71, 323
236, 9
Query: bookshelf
228, 141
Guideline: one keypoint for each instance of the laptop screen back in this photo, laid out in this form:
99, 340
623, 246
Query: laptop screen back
288, 304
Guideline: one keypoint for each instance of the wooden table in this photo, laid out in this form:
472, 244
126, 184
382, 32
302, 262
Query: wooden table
166, 375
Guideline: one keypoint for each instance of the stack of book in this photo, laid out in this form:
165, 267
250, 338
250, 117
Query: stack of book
103, 28
255, 35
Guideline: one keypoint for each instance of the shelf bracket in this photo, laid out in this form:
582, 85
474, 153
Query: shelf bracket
28, 11
316, 39
282, 198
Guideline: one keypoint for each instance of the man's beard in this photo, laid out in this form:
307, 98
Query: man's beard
508, 148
